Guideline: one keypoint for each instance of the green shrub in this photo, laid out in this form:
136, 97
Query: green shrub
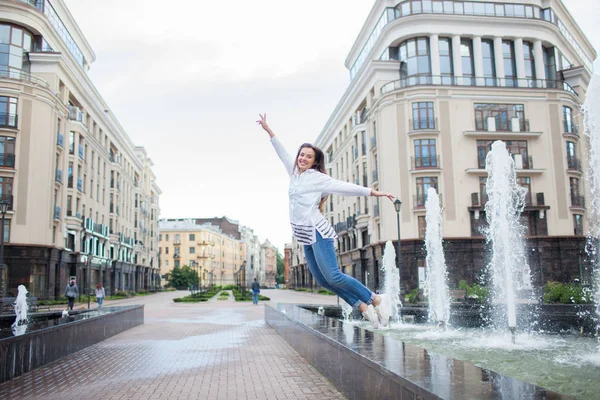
413, 296
475, 292
301, 289
237, 294
570, 293
228, 287
325, 291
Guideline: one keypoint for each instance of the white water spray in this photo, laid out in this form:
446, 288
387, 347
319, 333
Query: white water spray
436, 286
20, 325
506, 200
391, 279
591, 121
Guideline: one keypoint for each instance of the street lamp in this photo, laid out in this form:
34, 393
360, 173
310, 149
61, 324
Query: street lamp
397, 205
4, 203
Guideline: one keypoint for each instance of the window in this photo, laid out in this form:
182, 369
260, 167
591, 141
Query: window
8, 108
167, 237
166, 250
15, 43
176, 263
192, 237
423, 185
576, 199
578, 225
6, 190
466, 54
550, 66
525, 182
425, 153
489, 65
572, 162
503, 115
529, 63
364, 143
423, 117
6, 231
414, 61
192, 250
71, 142
422, 223
7, 151
516, 148
446, 67
483, 190
510, 69
568, 120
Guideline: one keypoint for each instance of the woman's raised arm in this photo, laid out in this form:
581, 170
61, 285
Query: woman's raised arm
287, 160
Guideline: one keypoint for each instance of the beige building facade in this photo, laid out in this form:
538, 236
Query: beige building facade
210, 247
432, 85
83, 200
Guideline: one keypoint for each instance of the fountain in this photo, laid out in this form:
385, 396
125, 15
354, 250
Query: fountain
391, 280
436, 287
19, 327
506, 200
591, 109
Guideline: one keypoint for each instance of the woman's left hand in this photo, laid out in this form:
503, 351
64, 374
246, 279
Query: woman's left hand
377, 193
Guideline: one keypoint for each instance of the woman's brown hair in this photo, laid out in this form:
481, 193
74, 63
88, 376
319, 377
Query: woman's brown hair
98, 286
318, 165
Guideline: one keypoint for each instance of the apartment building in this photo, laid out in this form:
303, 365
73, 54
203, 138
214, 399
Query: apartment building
432, 85
269, 263
81, 196
253, 267
213, 247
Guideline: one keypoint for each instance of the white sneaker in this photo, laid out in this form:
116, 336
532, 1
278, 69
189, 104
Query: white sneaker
384, 310
371, 316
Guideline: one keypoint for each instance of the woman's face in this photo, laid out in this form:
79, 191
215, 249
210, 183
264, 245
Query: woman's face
306, 159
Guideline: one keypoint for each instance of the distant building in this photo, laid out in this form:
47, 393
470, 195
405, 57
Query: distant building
269, 261
253, 249
287, 261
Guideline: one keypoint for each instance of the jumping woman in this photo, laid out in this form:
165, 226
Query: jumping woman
308, 190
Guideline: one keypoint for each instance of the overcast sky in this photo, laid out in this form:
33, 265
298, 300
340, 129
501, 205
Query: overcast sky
187, 82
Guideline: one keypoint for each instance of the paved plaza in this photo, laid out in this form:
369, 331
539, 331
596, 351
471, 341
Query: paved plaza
215, 350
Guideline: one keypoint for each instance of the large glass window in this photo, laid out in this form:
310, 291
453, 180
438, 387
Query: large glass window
414, 61
14, 43
6, 185
578, 225
489, 64
516, 148
8, 111
568, 120
423, 117
7, 151
425, 153
503, 115
510, 70
529, 63
572, 162
468, 69
525, 182
446, 68
423, 185
576, 198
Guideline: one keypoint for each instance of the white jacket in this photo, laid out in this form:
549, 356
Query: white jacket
306, 191
100, 293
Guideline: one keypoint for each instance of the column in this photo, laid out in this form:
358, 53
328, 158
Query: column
499, 61
457, 59
434, 54
478, 61
540, 70
520, 62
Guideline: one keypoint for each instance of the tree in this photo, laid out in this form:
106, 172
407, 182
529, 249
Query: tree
182, 277
280, 277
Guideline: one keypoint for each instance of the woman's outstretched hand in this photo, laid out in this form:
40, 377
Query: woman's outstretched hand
382, 194
263, 124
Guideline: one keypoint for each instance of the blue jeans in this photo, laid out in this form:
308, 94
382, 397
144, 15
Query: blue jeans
100, 300
322, 263
255, 297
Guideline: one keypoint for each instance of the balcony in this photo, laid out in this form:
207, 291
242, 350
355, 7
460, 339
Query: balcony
577, 201
420, 163
60, 140
505, 124
177, 242
451, 80
570, 128
422, 124
56, 212
75, 114
23, 76
8, 198
574, 164
176, 256
419, 201
59, 175
7, 160
360, 117
375, 176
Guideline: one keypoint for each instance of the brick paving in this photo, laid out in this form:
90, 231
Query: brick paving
215, 350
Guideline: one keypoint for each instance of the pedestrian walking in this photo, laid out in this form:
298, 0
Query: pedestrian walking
308, 190
100, 294
71, 292
255, 291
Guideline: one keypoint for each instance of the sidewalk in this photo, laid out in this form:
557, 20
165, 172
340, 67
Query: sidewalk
213, 350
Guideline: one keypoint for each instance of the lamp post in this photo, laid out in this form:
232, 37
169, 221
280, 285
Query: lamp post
397, 205
4, 203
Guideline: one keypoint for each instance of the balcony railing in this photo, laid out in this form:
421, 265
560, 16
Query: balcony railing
7, 160
9, 199
420, 200
574, 164
502, 124
373, 142
23, 76
577, 201
75, 114
422, 124
521, 162
56, 212
425, 162
375, 176
60, 140
59, 175
361, 117
450, 80
570, 128
8, 120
